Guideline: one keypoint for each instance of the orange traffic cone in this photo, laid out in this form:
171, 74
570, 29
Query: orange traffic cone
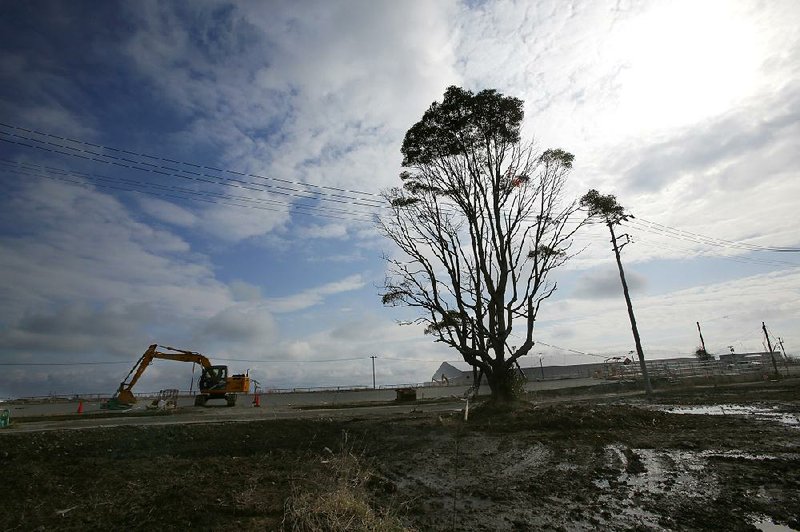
80, 407
257, 401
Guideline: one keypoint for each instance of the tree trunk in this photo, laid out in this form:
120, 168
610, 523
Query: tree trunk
502, 386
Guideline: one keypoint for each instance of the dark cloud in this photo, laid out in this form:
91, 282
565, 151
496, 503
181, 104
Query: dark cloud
41, 380
247, 323
76, 328
605, 283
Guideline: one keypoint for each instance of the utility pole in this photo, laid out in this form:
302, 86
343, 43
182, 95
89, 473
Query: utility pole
612, 213
785, 358
540, 365
648, 389
373, 371
702, 343
771, 354
783, 349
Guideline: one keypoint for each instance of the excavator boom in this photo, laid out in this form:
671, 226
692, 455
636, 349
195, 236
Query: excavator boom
214, 381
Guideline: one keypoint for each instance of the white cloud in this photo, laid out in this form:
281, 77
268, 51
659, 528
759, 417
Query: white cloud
314, 296
82, 245
333, 230
168, 212
683, 130
243, 291
86, 280
235, 224
730, 312
332, 80
404, 355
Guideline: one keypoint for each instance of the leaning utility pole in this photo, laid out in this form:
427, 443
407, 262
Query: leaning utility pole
613, 213
702, 342
771, 354
541, 366
648, 389
783, 349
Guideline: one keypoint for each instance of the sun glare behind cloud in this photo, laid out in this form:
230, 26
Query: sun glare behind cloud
682, 62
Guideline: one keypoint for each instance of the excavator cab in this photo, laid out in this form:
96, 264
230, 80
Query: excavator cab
216, 384
214, 379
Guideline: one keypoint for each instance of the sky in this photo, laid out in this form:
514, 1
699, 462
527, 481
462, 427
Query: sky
206, 175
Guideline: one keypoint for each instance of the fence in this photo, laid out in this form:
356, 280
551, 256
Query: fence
686, 369
670, 370
55, 398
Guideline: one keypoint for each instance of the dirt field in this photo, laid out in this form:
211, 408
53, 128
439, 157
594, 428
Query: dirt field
599, 463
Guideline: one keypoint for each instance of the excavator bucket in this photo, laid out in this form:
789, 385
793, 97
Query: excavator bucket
126, 397
123, 400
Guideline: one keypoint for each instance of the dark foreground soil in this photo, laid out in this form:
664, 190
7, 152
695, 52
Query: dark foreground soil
602, 463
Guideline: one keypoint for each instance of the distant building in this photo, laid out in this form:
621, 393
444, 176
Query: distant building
449, 374
460, 373
745, 358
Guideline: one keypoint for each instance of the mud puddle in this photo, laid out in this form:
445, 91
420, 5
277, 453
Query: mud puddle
759, 412
765, 524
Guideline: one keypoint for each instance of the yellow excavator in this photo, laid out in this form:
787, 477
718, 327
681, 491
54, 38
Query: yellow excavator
215, 383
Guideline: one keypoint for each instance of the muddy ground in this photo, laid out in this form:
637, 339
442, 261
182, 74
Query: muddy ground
566, 464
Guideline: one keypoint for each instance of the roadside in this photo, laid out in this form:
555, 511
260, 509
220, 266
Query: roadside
580, 464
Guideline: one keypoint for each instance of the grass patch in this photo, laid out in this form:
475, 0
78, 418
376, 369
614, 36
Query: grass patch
339, 499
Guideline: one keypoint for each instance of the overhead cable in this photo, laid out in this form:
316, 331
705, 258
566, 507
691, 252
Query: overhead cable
164, 159
318, 192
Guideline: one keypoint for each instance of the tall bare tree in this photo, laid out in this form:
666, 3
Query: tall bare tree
480, 224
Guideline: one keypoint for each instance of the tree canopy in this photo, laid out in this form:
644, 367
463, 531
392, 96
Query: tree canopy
462, 122
604, 206
480, 223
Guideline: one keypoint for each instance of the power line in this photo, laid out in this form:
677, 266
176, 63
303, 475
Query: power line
291, 361
705, 253
173, 161
130, 185
192, 195
696, 237
172, 196
91, 155
401, 359
571, 350
223, 181
59, 363
217, 180
215, 358
562, 348
318, 192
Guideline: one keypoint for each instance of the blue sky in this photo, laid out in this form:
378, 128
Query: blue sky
252, 140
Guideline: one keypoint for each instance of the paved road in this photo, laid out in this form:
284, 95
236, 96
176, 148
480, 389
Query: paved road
273, 406
278, 400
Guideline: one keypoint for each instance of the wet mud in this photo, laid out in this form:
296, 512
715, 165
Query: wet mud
596, 463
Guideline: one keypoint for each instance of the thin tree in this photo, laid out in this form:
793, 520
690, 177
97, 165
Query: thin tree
480, 224
612, 213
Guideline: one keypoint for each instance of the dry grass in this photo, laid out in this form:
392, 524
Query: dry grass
337, 500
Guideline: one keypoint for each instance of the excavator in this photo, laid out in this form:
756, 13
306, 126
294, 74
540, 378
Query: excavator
215, 383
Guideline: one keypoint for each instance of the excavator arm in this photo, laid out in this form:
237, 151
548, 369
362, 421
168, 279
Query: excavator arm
124, 394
